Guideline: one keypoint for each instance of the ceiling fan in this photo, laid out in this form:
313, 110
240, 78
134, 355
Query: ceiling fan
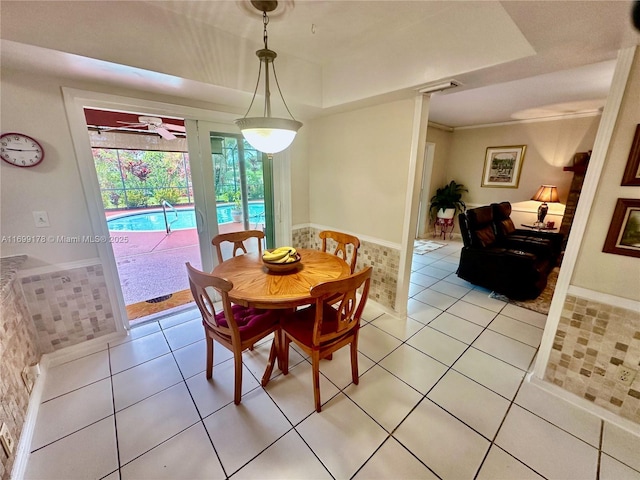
155, 124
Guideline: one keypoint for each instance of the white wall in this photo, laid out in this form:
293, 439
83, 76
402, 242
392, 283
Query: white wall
33, 105
605, 272
358, 167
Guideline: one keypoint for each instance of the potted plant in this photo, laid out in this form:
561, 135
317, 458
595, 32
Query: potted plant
447, 201
236, 210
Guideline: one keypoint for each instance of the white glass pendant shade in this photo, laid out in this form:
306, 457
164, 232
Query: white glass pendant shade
268, 134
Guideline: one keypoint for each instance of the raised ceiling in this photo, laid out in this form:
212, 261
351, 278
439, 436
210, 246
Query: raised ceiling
515, 59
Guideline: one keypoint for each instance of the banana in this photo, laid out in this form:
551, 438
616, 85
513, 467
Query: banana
284, 249
284, 259
292, 258
279, 255
275, 256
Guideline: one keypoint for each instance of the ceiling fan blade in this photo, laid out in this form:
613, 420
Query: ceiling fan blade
132, 124
175, 128
164, 133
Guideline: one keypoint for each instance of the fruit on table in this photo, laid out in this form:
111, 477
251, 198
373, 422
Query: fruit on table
280, 255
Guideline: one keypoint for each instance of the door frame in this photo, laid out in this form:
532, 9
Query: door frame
199, 133
75, 101
423, 206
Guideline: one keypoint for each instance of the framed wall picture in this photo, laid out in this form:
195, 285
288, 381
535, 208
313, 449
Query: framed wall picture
623, 237
502, 166
631, 175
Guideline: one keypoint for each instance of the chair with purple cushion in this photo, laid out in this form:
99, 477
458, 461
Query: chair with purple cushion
235, 327
331, 323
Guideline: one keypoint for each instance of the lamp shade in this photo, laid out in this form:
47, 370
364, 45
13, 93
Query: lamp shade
268, 134
546, 194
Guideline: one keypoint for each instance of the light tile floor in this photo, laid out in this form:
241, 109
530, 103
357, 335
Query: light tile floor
441, 395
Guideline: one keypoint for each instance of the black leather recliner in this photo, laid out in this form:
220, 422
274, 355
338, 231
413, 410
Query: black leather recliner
514, 267
548, 244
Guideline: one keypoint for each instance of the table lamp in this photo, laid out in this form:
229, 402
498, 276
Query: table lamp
546, 193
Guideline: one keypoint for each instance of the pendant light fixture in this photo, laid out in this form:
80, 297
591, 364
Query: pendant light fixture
267, 134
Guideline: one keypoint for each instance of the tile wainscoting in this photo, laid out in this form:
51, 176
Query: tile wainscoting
18, 349
68, 306
592, 339
384, 260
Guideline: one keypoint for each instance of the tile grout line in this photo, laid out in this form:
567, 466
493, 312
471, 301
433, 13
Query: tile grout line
113, 404
195, 405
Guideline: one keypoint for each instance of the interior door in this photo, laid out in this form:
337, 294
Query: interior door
232, 185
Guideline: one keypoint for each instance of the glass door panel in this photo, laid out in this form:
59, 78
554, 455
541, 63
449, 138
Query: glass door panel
240, 178
233, 187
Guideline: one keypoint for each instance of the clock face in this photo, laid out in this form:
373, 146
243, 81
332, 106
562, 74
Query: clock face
20, 150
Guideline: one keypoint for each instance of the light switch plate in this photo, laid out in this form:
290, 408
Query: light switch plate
41, 219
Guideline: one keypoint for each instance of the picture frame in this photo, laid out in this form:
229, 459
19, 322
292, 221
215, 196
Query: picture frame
631, 176
623, 237
502, 166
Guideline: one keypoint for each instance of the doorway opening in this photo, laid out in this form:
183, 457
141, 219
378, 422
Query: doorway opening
143, 170
155, 221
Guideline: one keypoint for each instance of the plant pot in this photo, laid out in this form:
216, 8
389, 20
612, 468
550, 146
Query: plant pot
236, 215
446, 213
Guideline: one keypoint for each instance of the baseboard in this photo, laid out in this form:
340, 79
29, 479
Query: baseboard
22, 453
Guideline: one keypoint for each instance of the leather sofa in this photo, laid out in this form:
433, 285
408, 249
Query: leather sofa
502, 258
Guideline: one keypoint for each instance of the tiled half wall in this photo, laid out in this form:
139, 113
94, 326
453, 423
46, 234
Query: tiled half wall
18, 349
592, 339
384, 260
68, 306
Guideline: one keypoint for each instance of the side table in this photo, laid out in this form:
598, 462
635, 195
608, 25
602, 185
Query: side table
442, 227
542, 228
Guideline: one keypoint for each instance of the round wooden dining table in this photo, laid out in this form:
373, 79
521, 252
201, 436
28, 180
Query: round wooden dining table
256, 286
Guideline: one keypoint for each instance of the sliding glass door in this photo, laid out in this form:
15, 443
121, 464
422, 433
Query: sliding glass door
233, 186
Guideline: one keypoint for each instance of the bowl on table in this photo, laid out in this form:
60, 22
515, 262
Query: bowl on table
283, 267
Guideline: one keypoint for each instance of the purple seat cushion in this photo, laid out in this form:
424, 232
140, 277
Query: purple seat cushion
251, 321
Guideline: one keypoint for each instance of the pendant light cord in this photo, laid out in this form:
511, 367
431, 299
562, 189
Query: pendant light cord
265, 37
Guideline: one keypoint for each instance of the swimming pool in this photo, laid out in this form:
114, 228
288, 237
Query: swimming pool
153, 220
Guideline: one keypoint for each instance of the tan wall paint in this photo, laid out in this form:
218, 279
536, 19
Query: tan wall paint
300, 177
442, 140
358, 167
604, 272
550, 146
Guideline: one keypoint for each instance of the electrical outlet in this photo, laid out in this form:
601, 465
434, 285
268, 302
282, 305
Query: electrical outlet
7, 439
28, 378
625, 375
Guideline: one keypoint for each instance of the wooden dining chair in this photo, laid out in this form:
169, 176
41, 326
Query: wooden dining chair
234, 327
342, 241
325, 326
238, 239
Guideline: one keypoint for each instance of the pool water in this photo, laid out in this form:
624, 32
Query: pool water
153, 220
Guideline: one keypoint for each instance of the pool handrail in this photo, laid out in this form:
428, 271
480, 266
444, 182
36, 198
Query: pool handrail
167, 224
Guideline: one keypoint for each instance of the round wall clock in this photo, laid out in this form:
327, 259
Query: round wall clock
20, 150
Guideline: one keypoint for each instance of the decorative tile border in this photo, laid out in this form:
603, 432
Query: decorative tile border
592, 339
384, 260
69, 306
